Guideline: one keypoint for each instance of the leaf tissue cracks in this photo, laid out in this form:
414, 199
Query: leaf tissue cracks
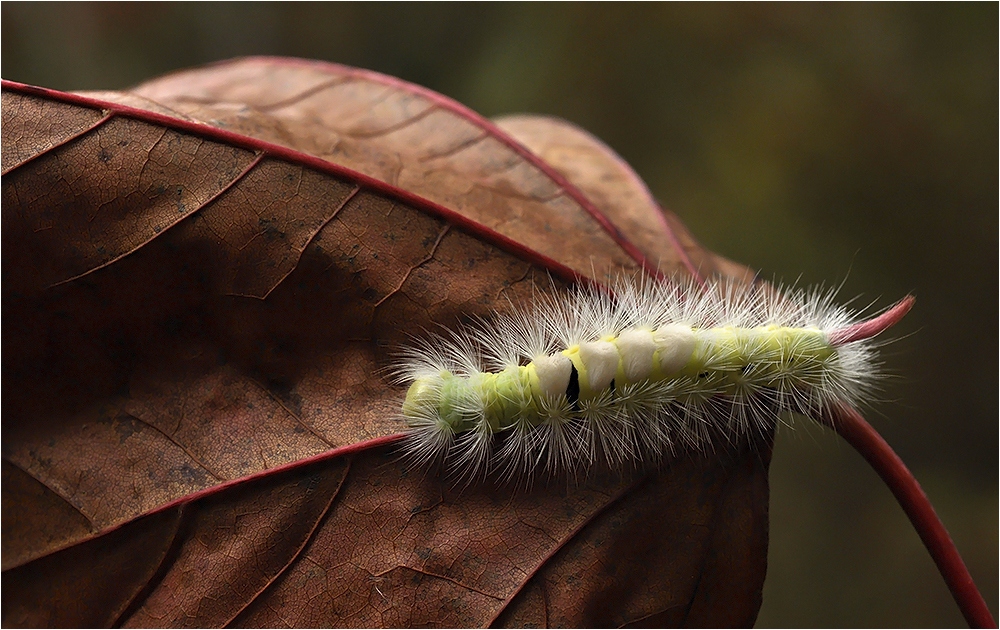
211, 271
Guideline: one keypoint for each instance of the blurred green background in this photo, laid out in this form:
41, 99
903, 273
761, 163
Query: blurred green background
812, 142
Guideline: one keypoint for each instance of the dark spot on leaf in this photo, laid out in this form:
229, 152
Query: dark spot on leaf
125, 426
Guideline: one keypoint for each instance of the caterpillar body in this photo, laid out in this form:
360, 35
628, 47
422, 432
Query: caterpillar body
627, 375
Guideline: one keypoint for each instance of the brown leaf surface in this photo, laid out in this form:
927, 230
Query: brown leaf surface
204, 279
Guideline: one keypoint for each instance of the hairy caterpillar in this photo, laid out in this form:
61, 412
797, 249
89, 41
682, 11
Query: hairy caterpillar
628, 375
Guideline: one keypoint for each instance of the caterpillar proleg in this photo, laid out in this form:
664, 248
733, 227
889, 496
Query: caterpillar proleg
631, 374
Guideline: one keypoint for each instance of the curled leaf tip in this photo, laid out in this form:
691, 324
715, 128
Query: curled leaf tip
874, 326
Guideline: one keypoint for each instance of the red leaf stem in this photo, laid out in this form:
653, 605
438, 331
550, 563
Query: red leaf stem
862, 436
874, 326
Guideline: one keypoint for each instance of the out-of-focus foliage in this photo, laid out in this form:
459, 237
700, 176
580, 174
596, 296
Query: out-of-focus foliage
813, 142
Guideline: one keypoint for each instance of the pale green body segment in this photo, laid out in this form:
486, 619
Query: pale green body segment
724, 361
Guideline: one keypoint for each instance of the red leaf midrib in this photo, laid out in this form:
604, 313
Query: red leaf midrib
269, 149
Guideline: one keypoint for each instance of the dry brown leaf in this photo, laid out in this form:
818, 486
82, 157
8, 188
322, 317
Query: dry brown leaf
205, 278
